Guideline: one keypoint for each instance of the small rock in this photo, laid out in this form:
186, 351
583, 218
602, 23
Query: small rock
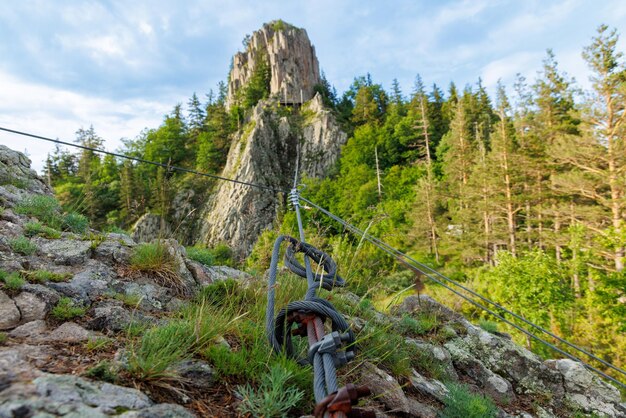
439, 356
429, 387
114, 248
418, 409
69, 332
217, 273
32, 329
110, 316
384, 387
88, 284
198, 374
426, 304
9, 314
49, 296
177, 252
31, 307
65, 251
199, 272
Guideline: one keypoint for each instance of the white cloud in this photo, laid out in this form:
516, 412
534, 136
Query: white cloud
58, 113
506, 68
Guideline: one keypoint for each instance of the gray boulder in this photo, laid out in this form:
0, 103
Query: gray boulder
9, 313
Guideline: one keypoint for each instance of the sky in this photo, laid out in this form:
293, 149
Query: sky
122, 65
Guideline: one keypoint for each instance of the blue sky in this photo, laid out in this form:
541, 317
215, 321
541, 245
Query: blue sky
121, 65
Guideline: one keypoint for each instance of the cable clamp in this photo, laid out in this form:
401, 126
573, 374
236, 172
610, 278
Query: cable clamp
330, 344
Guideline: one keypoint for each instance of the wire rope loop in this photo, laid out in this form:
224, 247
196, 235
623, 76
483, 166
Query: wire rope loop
328, 279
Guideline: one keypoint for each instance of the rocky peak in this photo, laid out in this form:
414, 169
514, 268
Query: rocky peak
294, 69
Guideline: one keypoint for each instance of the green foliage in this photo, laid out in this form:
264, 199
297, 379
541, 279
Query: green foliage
97, 344
461, 403
104, 371
12, 281
150, 257
223, 255
45, 208
488, 326
42, 276
131, 300
160, 348
201, 255
22, 245
66, 309
421, 325
35, 228
75, 222
3, 338
274, 396
258, 86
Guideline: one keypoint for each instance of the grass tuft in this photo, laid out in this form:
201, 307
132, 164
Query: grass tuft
131, 300
66, 309
98, 344
22, 245
45, 208
104, 371
32, 229
75, 222
3, 338
201, 255
275, 397
12, 281
42, 276
489, 326
421, 325
461, 403
155, 259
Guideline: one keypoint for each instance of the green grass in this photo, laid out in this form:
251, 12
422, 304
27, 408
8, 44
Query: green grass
131, 300
66, 309
32, 229
3, 338
98, 344
45, 208
75, 222
43, 276
104, 371
201, 255
153, 258
274, 396
22, 245
420, 325
461, 403
12, 281
489, 326
159, 348
48, 211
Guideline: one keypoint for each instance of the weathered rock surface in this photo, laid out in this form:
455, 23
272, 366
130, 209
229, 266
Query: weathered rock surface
150, 227
30, 306
9, 314
69, 332
294, 69
17, 179
65, 251
265, 153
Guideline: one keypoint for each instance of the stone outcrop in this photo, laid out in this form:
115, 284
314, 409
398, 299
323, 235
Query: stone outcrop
294, 69
17, 179
265, 152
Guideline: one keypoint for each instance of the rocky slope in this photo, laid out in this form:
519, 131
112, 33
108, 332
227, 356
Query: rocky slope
47, 360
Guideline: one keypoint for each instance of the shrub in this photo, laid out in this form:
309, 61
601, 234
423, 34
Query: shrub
75, 222
489, 326
12, 281
201, 255
223, 255
22, 245
44, 208
461, 403
66, 309
273, 398
35, 228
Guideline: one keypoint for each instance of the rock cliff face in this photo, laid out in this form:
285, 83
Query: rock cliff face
293, 65
265, 152
266, 148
